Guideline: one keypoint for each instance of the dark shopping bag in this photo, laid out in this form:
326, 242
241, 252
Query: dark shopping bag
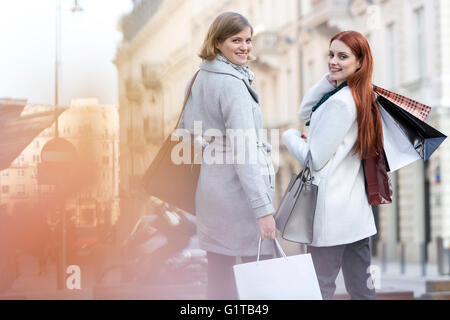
407, 138
378, 184
417, 109
423, 138
174, 183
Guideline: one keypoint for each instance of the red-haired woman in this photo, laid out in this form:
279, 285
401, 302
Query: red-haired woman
345, 127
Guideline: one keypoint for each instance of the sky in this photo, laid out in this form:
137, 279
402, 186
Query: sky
89, 40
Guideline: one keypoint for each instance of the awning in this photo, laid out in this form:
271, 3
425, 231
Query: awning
17, 131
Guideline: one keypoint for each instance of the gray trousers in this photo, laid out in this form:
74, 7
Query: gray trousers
354, 258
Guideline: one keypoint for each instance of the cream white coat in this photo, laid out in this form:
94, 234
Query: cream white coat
343, 214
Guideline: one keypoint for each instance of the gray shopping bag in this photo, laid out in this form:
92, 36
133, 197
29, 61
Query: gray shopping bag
295, 215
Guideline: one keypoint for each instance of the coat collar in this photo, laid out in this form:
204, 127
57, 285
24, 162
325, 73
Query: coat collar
217, 66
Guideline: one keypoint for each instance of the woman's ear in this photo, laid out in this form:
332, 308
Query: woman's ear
359, 65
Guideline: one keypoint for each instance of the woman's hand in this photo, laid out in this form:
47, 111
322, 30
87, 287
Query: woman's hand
267, 227
333, 82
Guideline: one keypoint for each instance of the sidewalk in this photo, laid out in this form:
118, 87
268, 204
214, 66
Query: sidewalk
393, 280
31, 286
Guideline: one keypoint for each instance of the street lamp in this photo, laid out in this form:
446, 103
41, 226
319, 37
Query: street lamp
60, 274
57, 61
76, 8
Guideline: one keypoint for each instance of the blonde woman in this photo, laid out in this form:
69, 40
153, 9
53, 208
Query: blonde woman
234, 201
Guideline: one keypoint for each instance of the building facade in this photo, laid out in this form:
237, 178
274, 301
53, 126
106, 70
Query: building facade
410, 42
93, 130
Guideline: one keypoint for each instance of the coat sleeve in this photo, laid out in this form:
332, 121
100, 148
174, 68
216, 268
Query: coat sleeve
296, 145
238, 117
313, 96
329, 132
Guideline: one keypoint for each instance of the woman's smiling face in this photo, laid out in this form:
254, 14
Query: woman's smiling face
238, 47
342, 63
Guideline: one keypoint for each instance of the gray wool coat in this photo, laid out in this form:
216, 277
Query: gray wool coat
230, 196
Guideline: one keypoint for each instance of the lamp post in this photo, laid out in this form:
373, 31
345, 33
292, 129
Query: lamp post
62, 261
76, 8
57, 61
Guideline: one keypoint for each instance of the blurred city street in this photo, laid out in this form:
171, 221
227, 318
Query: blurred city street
32, 286
392, 280
85, 111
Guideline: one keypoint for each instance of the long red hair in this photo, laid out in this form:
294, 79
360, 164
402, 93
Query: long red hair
370, 130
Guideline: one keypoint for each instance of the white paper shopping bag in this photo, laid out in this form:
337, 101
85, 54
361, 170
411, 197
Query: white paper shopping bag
285, 278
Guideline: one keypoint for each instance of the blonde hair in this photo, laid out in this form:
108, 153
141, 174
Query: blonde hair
224, 26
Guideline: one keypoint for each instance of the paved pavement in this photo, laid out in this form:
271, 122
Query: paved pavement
393, 280
30, 285
390, 279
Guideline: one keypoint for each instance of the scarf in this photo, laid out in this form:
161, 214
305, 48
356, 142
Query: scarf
324, 99
244, 70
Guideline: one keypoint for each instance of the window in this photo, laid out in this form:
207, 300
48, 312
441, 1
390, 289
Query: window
146, 126
419, 22
129, 135
5, 189
5, 173
88, 216
105, 160
274, 114
391, 56
21, 190
369, 39
289, 87
85, 128
20, 160
311, 73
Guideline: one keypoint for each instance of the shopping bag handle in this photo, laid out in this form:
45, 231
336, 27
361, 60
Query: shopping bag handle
277, 248
305, 175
